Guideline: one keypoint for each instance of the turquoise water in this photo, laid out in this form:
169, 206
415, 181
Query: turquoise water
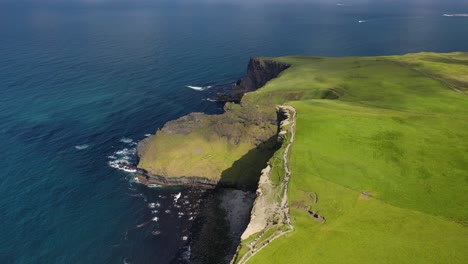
82, 81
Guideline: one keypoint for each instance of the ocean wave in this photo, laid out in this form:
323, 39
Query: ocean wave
176, 197
135, 180
80, 147
127, 141
186, 254
210, 100
122, 164
126, 152
125, 159
198, 88
154, 205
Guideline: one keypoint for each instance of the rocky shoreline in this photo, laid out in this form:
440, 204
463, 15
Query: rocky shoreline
148, 179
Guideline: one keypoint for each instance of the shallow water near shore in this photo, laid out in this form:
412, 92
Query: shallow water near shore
82, 81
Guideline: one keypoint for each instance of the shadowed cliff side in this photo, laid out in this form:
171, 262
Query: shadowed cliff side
259, 72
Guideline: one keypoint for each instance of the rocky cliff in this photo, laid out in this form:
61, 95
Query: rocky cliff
228, 149
259, 72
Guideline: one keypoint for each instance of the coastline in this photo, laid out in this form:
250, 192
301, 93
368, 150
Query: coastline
228, 206
197, 149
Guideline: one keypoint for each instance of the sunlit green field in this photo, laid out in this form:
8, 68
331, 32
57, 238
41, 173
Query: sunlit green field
382, 142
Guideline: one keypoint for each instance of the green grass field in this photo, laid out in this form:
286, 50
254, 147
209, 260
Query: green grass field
381, 142
396, 130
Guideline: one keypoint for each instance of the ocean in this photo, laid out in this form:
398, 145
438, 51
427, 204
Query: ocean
82, 81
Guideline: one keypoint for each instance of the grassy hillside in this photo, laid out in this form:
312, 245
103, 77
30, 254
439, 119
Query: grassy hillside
381, 143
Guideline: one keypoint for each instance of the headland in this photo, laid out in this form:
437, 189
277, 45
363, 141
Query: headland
353, 159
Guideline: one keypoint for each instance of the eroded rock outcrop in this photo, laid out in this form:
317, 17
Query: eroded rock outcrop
259, 72
228, 149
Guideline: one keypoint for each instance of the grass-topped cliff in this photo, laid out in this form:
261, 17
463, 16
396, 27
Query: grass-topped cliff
231, 148
384, 162
379, 152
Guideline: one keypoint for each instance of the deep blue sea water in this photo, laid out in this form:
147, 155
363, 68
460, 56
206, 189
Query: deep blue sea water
82, 81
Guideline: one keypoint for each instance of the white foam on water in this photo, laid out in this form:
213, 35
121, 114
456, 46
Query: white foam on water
126, 151
127, 141
198, 88
125, 158
154, 186
122, 164
80, 147
152, 205
148, 135
135, 180
156, 232
176, 197
186, 255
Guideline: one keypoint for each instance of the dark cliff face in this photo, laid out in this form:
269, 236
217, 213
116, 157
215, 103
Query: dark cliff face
259, 72
148, 179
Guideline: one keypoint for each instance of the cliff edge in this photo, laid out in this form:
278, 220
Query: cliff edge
228, 149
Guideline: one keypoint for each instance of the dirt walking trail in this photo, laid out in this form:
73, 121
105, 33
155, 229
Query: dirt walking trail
283, 210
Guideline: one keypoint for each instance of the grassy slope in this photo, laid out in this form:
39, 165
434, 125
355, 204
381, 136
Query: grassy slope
394, 133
